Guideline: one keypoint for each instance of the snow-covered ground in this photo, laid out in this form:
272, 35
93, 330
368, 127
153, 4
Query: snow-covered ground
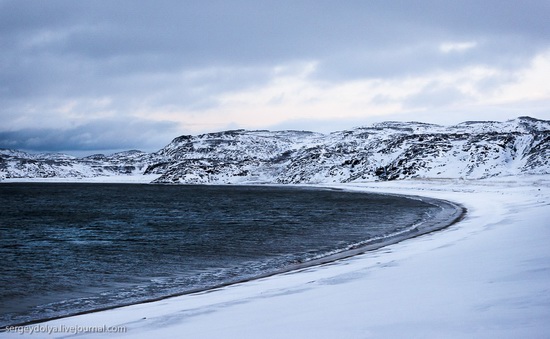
113, 179
487, 276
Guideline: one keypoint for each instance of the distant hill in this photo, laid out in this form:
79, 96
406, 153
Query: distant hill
383, 151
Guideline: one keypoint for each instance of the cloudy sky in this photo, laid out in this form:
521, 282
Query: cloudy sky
102, 75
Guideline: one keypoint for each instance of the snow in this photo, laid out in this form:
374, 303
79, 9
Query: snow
487, 276
389, 150
113, 179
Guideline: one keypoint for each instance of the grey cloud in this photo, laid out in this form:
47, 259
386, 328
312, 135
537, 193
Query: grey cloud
103, 41
434, 95
140, 53
424, 56
195, 33
93, 136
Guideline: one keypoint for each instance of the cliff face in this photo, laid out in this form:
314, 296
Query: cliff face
384, 151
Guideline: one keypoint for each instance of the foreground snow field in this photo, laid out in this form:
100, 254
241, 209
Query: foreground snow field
487, 276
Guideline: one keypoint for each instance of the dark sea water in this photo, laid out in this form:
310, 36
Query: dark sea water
67, 248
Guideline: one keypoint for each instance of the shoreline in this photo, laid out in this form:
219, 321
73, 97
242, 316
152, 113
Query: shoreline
449, 214
486, 276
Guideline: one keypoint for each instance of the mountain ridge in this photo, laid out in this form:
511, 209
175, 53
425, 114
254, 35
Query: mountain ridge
388, 150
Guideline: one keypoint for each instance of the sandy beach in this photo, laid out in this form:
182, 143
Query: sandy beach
487, 276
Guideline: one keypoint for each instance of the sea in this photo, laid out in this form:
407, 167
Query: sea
68, 248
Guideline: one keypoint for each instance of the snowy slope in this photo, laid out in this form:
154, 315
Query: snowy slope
383, 151
18, 164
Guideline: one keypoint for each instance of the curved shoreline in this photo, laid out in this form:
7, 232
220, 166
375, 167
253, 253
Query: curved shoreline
449, 214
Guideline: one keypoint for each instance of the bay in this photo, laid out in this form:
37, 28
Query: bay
67, 248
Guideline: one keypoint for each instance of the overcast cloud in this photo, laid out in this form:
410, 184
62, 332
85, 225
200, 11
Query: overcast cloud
108, 75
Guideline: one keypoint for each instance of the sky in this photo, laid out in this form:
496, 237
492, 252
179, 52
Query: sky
87, 76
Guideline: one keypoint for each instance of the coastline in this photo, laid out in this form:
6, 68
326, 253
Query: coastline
127, 179
449, 214
419, 286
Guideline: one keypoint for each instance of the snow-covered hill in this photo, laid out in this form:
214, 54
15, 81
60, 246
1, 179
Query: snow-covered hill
18, 164
383, 151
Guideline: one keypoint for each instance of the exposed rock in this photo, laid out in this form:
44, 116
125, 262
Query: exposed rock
383, 151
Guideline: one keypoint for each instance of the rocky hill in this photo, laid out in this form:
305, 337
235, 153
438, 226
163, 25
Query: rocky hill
18, 164
383, 151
